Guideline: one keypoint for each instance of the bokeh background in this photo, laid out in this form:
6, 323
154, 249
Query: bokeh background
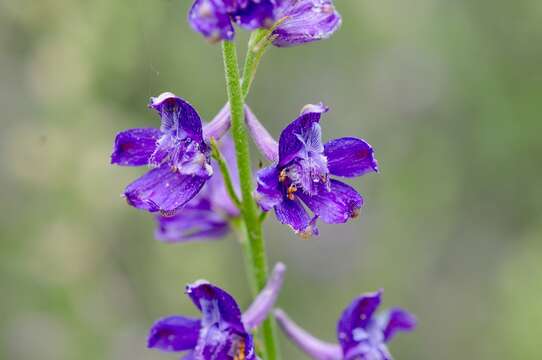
448, 92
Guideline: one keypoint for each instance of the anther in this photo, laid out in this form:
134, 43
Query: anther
282, 175
291, 191
240, 353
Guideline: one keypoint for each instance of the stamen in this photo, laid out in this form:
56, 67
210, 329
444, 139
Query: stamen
282, 175
306, 234
291, 190
355, 213
240, 353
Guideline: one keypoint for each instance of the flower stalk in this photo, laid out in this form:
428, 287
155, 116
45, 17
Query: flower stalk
249, 209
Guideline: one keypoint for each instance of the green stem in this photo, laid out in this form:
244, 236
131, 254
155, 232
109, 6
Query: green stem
249, 208
256, 49
225, 173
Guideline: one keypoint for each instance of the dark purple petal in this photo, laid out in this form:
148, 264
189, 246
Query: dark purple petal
394, 320
211, 19
193, 222
313, 347
289, 143
264, 302
179, 118
163, 190
305, 21
358, 315
268, 190
292, 213
216, 305
350, 157
133, 147
336, 205
256, 14
174, 333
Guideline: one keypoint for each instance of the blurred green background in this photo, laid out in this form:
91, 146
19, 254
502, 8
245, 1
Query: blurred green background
448, 92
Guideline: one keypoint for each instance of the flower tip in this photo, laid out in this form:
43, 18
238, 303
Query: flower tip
157, 101
190, 287
319, 108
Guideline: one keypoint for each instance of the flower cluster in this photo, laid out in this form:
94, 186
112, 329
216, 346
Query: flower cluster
199, 185
292, 22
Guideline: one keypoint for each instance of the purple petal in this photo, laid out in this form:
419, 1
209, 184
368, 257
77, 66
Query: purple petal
313, 347
394, 320
350, 157
219, 125
267, 145
174, 333
256, 14
289, 142
195, 221
268, 191
163, 190
210, 18
305, 21
216, 305
179, 118
133, 147
358, 315
336, 205
264, 302
292, 213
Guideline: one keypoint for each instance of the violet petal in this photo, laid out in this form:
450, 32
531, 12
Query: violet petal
289, 143
179, 118
174, 333
305, 21
211, 19
133, 147
292, 212
163, 190
394, 320
358, 315
268, 191
336, 205
215, 304
350, 157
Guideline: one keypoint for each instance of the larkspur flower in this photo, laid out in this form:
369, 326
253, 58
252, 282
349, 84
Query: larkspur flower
207, 215
297, 21
302, 169
361, 334
222, 333
303, 21
176, 152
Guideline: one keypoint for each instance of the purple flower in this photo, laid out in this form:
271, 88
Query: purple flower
361, 334
303, 172
176, 152
301, 21
213, 18
222, 333
305, 21
207, 215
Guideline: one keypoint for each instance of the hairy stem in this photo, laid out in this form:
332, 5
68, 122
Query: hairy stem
215, 152
249, 208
